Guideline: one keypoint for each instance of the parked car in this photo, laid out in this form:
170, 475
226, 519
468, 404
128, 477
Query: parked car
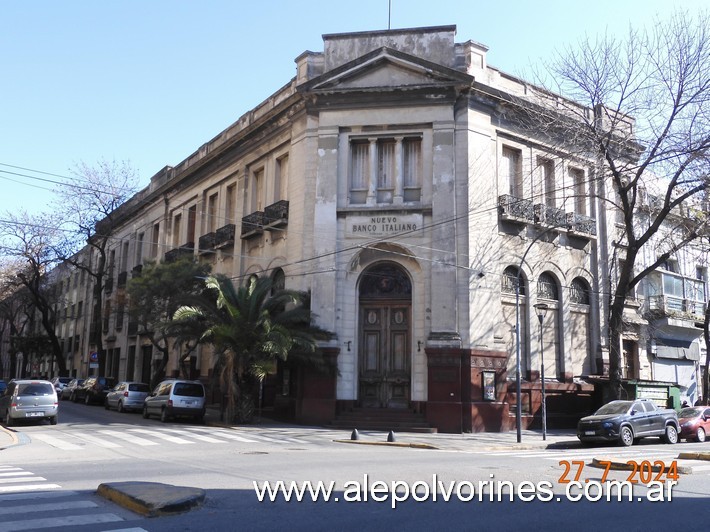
94, 390
627, 421
694, 423
67, 391
29, 399
127, 396
60, 382
176, 398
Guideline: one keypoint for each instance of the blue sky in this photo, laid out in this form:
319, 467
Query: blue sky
150, 81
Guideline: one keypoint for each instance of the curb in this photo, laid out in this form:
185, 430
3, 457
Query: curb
614, 465
152, 499
13, 437
694, 456
390, 444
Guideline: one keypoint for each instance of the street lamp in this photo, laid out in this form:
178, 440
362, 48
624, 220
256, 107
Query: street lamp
541, 310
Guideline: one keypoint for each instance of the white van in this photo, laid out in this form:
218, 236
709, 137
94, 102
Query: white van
176, 398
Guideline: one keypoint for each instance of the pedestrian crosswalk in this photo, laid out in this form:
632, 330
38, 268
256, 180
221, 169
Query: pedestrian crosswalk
30, 502
74, 440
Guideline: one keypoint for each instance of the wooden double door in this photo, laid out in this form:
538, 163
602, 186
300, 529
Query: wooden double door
384, 354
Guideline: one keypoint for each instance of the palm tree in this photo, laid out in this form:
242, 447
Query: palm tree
251, 328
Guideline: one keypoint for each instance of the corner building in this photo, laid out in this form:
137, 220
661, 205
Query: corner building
391, 180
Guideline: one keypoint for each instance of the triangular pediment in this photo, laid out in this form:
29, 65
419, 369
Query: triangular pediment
386, 69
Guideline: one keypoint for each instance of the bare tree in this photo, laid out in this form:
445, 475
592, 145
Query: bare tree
30, 243
90, 206
636, 110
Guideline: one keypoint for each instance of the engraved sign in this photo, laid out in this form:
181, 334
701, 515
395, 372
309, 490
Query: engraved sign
382, 225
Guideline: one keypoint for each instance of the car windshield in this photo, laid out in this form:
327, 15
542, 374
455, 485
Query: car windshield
690, 412
35, 388
614, 408
189, 389
139, 388
64, 380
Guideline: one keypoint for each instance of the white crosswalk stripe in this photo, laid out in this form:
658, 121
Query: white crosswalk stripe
166, 437
133, 440
28, 505
72, 440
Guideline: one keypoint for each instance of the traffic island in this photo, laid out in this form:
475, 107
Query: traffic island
152, 499
390, 444
630, 465
694, 456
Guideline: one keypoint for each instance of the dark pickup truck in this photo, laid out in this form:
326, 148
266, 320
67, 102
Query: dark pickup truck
627, 421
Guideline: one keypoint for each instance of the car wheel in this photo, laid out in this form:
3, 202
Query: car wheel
9, 422
54, 419
164, 415
671, 435
700, 434
145, 412
120, 407
626, 436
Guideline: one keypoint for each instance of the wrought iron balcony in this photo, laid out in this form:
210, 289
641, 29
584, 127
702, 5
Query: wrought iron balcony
276, 214
580, 224
516, 209
206, 244
186, 250
224, 236
253, 224
550, 216
136, 271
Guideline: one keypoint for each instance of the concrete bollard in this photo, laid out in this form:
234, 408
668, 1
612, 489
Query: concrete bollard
390, 437
355, 435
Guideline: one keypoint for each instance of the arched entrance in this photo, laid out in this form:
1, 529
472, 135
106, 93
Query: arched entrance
384, 342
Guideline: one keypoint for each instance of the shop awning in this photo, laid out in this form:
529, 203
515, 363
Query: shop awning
677, 349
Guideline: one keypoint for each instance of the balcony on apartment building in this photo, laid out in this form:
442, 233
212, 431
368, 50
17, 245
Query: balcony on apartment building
205, 245
675, 300
271, 218
186, 250
522, 211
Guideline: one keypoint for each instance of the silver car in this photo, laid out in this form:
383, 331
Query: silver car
29, 399
69, 388
127, 395
176, 398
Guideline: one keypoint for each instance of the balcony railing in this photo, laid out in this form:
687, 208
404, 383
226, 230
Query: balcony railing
516, 209
224, 236
206, 243
253, 224
136, 271
550, 216
676, 306
276, 214
186, 250
580, 224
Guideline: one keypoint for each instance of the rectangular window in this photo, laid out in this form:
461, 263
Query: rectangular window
191, 221
359, 171
386, 169
229, 204
281, 179
512, 171
412, 166
155, 241
212, 213
139, 248
177, 222
124, 257
257, 191
579, 191
547, 181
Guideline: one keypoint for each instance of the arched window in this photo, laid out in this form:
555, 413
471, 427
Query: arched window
579, 291
278, 280
547, 287
512, 278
